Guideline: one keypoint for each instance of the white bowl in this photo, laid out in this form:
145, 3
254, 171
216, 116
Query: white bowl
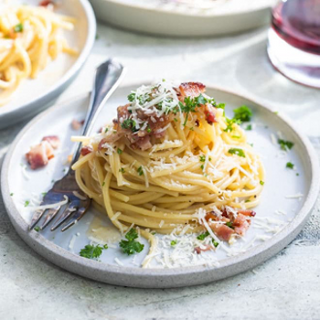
33, 96
173, 20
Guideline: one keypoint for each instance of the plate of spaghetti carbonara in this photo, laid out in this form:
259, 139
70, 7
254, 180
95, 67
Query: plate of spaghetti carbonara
42, 45
188, 183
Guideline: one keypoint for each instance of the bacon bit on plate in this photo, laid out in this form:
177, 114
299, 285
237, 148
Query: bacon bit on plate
241, 224
54, 141
229, 224
86, 150
207, 247
76, 125
39, 155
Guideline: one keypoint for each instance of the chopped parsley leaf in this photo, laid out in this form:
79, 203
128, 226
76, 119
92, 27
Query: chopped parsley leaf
119, 151
237, 151
148, 129
249, 127
242, 113
230, 224
153, 232
236, 137
173, 243
106, 130
262, 182
130, 246
36, 228
103, 183
175, 119
92, 251
202, 167
18, 28
122, 170
230, 123
202, 236
26, 203
215, 243
131, 96
202, 158
247, 201
285, 145
297, 174
290, 165
140, 171
11, 194
129, 124
97, 36
191, 129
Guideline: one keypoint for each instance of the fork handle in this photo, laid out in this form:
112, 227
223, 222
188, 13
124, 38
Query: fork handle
108, 77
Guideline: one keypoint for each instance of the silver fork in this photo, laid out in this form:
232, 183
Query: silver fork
107, 79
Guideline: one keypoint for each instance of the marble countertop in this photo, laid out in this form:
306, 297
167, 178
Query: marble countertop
285, 287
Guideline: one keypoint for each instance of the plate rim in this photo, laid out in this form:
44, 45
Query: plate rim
156, 277
196, 14
71, 73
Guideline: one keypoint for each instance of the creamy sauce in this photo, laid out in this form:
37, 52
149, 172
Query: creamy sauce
100, 232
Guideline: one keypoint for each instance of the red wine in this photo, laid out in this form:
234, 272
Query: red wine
298, 23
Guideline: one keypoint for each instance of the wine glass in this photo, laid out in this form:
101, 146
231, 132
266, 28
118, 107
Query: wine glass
294, 40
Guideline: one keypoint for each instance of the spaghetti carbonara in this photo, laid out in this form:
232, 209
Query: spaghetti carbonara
29, 38
173, 162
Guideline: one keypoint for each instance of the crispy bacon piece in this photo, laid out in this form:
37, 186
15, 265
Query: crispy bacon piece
222, 231
45, 3
86, 150
241, 224
39, 155
76, 125
210, 113
54, 141
207, 247
190, 89
248, 213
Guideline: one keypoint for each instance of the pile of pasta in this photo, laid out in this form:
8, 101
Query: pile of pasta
30, 37
196, 165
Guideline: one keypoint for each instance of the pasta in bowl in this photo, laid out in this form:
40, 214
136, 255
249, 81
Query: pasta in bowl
30, 37
173, 163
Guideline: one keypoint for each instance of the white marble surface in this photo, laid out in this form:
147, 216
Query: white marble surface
285, 287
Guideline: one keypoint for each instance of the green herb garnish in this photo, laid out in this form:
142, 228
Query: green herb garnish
230, 224
131, 96
36, 228
106, 130
290, 165
202, 158
237, 151
130, 246
129, 124
92, 251
11, 194
119, 151
140, 171
173, 243
18, 28
26, 203
249, 127
122, 170
285, 145
103, 183
242, 113
202, 236
261, 182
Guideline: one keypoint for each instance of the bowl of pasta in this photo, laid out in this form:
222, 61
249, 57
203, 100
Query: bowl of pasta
43, 45
189, 184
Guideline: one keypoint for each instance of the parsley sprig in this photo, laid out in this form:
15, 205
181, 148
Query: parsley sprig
285, 145
242, 114
92, 251
130, 246
237, 151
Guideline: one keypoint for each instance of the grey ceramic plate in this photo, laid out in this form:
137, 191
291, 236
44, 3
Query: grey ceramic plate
279, 215
33, 95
